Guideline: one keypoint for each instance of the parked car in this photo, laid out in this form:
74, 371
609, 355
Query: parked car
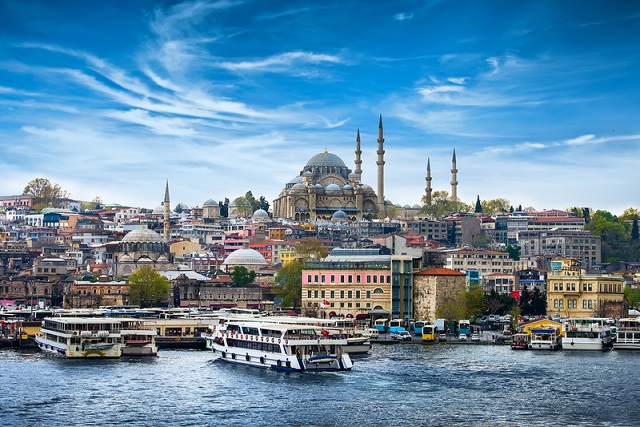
475, 337
402, 336
442, 337
462, 337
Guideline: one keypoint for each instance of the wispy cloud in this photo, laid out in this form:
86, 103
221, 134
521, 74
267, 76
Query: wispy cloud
288, 62
403, 16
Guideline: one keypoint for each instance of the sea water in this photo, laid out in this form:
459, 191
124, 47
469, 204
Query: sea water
395, 385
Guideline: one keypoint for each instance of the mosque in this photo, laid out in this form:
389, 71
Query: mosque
326, 187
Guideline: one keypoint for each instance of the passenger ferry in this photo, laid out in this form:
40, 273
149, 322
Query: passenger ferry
628, 335
136, 339
520, 341
279, 346
81, 337
589, 333
545, 339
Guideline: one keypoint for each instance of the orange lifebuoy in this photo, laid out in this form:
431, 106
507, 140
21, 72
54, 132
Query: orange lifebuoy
272, 339
286, 341
278, 340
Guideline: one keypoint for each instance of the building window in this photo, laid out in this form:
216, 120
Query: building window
333, 294
309, 279
375, 279
315, 294
349, 279
309, 294
349, 294
342, 278
316, 278
388, 279
555, 303
357, 278
368, 279
341, 294
333, 279
584, 303
589, 304
357, 294
368, 294
323, 278
322, 294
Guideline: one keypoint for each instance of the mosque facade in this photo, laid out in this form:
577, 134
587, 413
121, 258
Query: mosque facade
326, 186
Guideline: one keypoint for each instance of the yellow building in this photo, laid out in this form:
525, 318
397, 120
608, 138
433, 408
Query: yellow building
572, 292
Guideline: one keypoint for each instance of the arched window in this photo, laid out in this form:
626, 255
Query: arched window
378, 291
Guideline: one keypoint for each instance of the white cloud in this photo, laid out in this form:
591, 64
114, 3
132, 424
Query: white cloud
281, 63
403, 16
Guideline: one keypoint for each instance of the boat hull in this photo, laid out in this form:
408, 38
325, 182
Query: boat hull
106, 351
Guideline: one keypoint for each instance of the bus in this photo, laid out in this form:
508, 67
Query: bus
464, 327
417, 327
381, 325
429, 333
396, 325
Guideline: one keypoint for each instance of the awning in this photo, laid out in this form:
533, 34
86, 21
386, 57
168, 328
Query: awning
362, 316
378, 313
332, 313
349, 316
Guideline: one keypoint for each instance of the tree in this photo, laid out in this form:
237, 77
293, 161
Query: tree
538, 302
224, 208
480, 241
310, 249
147, 287
181, 207
496, 205
632, 296
243, 206
629, 214
475, 304
44, 192
635, 234
478, 205
525, 301
242, 277
442, 205
514, 252
288, 284
264, 204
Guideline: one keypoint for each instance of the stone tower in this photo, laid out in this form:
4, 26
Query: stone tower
167, 211
427, 198
380, 163
454, 178
358, 161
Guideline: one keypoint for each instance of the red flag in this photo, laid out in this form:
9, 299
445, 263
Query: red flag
325, 333
325, 302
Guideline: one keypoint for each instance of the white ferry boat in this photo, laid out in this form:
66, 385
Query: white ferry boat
77, 337
137, 339
628, 335
587, 333
279, 346
545, 339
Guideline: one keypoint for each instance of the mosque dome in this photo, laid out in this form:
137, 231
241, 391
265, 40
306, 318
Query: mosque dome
333, 187
296, 180
398, 205
260, 214
366, 187
307, 173
347, 187
353, 176
158, 210
299, 187
210, 202
163, 259
245, 257
319, 187
339, 216
407, 206
142, 235
326, 159
416, 206
126, 258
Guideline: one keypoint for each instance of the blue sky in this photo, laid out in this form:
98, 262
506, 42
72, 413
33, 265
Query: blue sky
110, 99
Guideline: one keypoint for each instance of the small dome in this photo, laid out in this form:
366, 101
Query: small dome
353, 176
158, 210
339, 216
307, 173
416, 206
162, 258
142, 235
126, 258
326, 159
333, 187
210, 202
407, 206
245, 257
347, 187
296, 180
145, 260
260, 214
299, 187
398, 205
319, 187
366, 187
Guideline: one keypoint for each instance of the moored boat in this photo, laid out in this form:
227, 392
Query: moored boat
78, 337
520, 341
589, 333
545, 339
279, 346
627, 334
137, 339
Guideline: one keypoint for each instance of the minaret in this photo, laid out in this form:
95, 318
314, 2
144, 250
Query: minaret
167, 210
454, 178
380, 163
427, 199
358, 161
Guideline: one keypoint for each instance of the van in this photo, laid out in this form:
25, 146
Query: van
373, 333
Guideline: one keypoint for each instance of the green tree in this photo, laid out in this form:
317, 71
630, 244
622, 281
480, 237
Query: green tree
480, 241
629, 214
525, 301
452, 308
242, 277
288, 285
635, 234
442, 205
264, 204
494, 206
538, 302
147, 287
478, 205
44, 193
514, 252
310, 249
224, 208
632, 296
475, 304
